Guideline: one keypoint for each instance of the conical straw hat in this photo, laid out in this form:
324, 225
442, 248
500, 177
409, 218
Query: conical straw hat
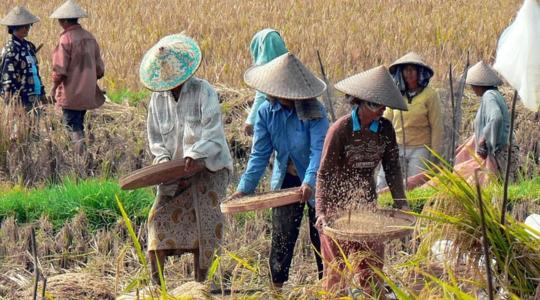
170, 62
411, 58
285, 77
69, 10
482, 74
375, 85
19, 16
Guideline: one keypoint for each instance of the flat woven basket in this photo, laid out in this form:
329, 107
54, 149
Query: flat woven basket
166, 172
261, 201
380, 235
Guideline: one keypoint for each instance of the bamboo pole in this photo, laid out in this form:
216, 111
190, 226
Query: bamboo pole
509, 159
485, 241
453, 102
34, 255
327, 96
404, 161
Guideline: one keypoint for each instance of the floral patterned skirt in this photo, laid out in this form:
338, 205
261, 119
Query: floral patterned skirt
191, 219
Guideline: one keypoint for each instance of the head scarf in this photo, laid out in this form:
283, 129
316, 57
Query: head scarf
266, 45
424, 75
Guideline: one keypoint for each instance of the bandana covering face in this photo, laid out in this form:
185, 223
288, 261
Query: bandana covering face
424, 75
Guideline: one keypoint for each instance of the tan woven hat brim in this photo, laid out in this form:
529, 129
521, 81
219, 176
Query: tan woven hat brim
285, 77
481, 74
19, 16
375, 85
69, 10
411, 58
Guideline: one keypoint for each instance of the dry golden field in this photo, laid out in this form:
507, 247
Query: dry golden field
351, 35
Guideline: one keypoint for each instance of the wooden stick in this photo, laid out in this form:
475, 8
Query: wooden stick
404, 157
34, 255
39, 48
44, 288
453, 101
485, 242
509, 159
327, 96
459, 100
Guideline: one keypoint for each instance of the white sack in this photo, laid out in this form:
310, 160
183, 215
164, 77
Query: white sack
518, 54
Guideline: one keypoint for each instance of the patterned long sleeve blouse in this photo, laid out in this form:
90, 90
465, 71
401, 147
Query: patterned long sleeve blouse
20, 70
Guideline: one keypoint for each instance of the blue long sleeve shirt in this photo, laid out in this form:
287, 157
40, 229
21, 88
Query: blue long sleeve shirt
278, 129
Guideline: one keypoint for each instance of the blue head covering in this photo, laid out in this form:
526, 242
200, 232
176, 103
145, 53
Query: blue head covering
266, 45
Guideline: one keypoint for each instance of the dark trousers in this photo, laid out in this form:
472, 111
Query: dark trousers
286, 221
74, 119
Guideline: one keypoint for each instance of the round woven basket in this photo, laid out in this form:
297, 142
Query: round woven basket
166, 172
262, 201
383, 234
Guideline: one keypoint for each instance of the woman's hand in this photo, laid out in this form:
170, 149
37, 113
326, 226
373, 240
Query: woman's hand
236, 195
306, 191
481, 149
248, 129
190, 164
321, 222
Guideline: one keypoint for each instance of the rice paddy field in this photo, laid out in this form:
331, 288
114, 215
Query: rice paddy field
88, 232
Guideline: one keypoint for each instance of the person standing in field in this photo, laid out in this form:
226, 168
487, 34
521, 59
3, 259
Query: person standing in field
291, 123
184, 123
77, 66
492, 121
266, 45
19, 68
422, 125
355, 145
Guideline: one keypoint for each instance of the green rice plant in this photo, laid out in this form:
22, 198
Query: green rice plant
521, 191
125, 95
143, 280
94, 197
452, 213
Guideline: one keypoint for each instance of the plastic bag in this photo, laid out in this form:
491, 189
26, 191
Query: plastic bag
518, 54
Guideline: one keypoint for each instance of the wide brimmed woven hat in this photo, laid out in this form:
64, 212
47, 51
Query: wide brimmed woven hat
411, 58
285, 77
375, 85
69, 10
19, 16
482, 74
170, 62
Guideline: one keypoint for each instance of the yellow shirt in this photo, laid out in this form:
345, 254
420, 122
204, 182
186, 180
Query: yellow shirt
423, 121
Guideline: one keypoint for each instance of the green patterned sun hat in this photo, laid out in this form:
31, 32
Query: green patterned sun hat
170, 62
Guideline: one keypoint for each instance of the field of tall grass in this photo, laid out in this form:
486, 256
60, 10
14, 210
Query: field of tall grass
351, 35
71, 202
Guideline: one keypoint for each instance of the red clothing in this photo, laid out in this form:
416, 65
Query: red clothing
77, 65
348, 162
334, 265
346, 181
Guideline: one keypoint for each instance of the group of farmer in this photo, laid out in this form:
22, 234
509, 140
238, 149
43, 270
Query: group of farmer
76, 67
394, 119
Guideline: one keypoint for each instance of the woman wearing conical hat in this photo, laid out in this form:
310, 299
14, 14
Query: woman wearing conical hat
77, 66
19, 69
422, 124
184, 122
355, 145
291, 124
492, 121
266, 45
